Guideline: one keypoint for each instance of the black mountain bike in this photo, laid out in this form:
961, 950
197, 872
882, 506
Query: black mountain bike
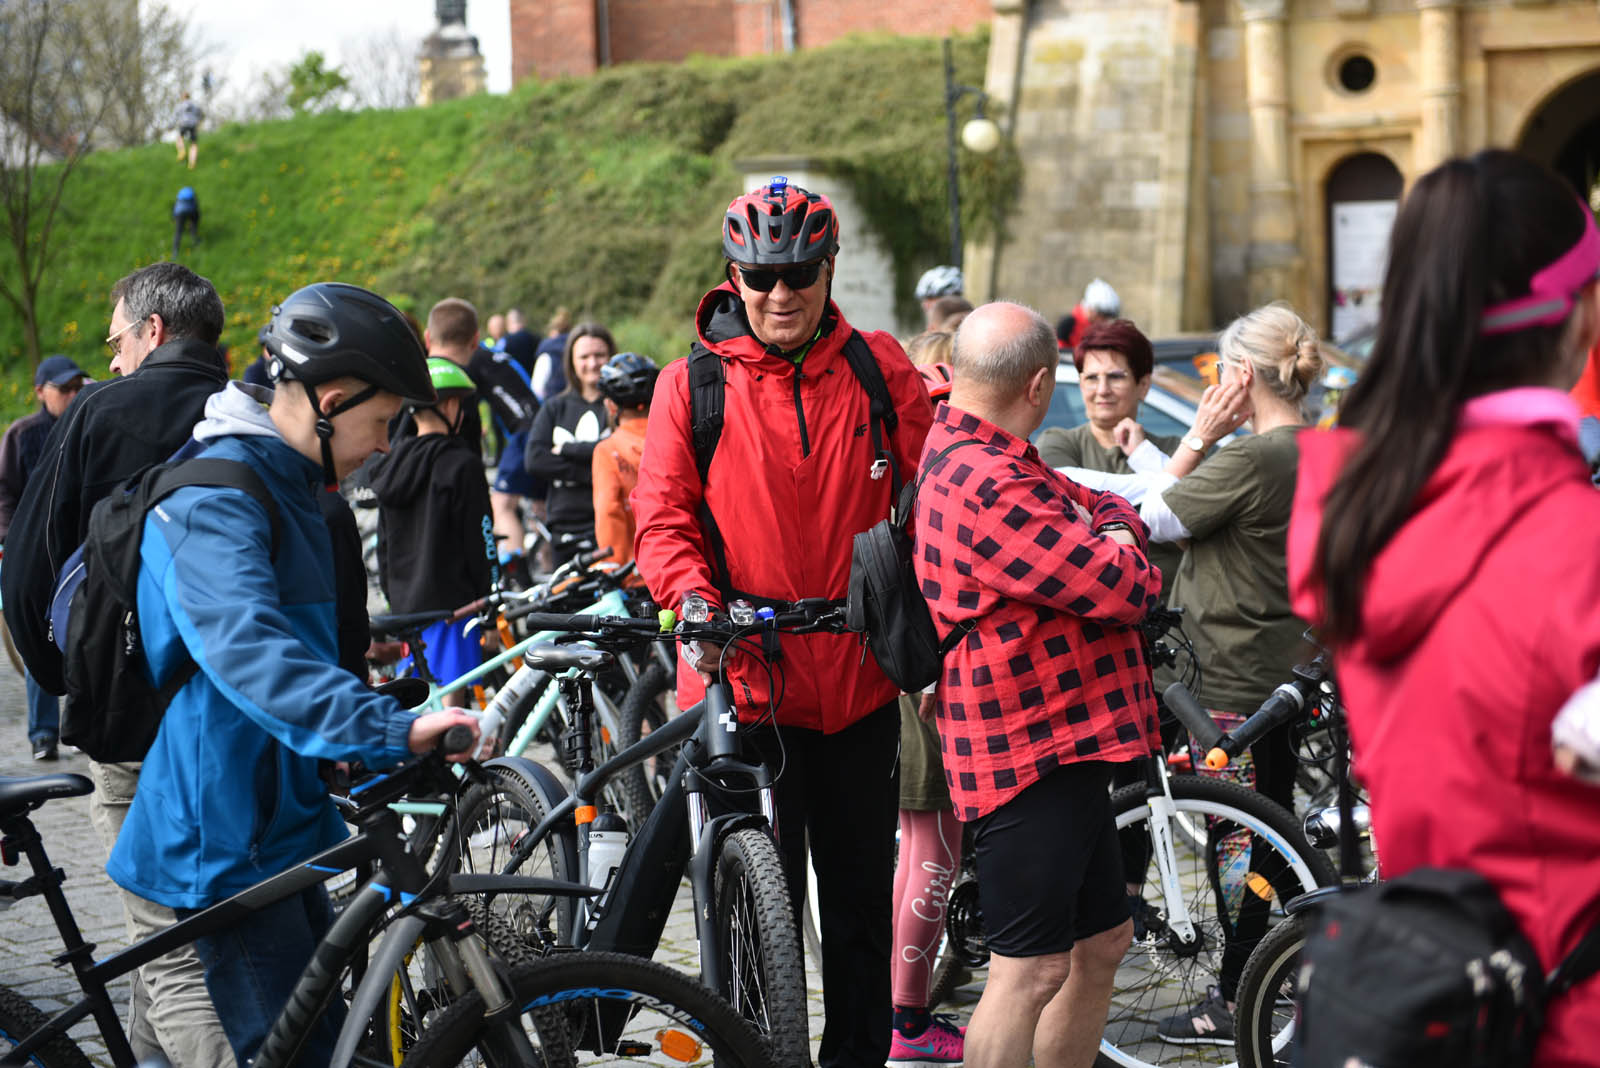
544, 1013
714, 822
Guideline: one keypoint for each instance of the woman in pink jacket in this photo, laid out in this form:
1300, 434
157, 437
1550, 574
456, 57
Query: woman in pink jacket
1444, 543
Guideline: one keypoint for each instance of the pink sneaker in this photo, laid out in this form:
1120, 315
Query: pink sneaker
941, 1044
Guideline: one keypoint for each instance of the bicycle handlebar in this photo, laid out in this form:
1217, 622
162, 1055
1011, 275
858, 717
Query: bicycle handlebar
802, 616
1288, 702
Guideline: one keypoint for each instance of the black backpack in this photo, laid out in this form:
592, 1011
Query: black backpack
886, 605
1429, 970
112, 712
707, 390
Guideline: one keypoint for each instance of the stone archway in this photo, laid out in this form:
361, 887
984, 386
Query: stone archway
1564, 132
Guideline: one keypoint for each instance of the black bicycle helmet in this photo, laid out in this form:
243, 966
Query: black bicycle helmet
778, 224
629, 379
330, 329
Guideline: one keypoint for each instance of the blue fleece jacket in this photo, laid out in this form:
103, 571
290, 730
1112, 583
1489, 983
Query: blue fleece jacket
229, 793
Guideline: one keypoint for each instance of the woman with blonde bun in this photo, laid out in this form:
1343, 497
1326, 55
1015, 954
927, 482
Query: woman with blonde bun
1232, 512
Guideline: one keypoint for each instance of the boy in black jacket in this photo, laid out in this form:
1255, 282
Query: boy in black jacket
436, 546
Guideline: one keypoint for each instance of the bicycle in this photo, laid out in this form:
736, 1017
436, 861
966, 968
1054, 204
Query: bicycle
408, 906
745, 922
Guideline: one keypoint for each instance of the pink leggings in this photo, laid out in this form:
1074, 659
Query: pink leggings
930, 858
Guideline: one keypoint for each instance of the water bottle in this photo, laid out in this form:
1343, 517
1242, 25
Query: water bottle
742, 613
608, 840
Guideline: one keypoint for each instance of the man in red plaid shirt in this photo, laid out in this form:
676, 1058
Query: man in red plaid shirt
1049, 689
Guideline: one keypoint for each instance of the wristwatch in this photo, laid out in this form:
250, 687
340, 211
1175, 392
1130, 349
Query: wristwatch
1195, 442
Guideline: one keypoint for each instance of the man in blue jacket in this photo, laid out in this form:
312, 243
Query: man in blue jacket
230, 792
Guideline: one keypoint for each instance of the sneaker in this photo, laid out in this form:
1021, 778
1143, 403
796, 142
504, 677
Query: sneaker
45, 751
1208, 1023
940, 1044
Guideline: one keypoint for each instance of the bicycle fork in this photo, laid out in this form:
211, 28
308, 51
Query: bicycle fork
1162, 813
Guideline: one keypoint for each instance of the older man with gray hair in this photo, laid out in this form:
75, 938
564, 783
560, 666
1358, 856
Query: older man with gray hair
1048, 691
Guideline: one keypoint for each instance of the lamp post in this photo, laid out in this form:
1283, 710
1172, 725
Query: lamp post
980, 135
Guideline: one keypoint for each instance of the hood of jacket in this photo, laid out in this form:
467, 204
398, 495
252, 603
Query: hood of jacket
237, 410
404, 475
724, 328
1489, 479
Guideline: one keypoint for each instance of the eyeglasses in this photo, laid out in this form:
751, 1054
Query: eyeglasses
763, 280
1114, 379
114, 342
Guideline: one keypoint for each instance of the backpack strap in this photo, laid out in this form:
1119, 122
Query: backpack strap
210, 471
884, 419
707, 385
1575, 967
908, 506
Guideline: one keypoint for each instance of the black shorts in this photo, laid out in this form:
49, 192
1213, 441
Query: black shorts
189, 134
1049, 866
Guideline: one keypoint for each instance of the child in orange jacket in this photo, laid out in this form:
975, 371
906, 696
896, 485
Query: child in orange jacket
627, 382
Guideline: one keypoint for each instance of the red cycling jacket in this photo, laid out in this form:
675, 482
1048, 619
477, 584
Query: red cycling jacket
789, 486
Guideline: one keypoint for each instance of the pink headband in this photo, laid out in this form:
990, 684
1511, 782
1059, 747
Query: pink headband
1551, 290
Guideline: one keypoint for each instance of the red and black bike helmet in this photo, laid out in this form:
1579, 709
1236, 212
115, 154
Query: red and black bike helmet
937, 376
779, 224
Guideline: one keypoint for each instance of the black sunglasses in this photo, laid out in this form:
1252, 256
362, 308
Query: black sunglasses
797, 278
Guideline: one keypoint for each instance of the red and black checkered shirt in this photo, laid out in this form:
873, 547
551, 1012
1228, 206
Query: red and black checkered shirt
1054, 668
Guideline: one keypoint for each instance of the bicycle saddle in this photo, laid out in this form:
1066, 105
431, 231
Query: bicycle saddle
397, 626
20, 794
555, 658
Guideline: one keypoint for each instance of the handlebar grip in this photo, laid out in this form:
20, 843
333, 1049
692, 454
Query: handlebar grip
1191, 715
457, 739
1286, 702
585, 559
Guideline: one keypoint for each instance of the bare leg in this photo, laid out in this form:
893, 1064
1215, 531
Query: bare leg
1070, 1027
1001, 1033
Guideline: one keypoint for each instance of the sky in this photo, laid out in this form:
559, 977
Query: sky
251, 36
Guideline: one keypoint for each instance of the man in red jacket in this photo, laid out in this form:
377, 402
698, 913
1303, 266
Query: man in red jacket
800, 467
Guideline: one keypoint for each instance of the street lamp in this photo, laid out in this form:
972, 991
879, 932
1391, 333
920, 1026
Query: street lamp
980, 135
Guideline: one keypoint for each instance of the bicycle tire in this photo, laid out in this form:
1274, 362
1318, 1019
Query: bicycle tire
641, 785
20, 1018
1158, 978
1264, 1023
492, 819
640, 1002
758, 944
517, 715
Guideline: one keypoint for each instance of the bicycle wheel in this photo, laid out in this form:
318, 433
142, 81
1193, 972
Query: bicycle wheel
1264, 1023
492, 822
651, 701
764, 974
19, 1018
613, 1008
1254, 859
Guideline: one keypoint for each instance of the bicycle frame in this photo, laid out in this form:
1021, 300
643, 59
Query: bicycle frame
400, 878
681, 835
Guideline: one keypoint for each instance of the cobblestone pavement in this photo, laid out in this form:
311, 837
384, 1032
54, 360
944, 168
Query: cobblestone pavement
28, 938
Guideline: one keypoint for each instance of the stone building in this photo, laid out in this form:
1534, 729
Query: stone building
449, 64
1206, 156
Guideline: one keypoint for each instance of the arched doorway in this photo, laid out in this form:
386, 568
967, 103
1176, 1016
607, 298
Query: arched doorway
1565, 133
1362, 194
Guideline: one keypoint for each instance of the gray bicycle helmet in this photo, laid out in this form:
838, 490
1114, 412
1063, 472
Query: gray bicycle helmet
330, 329
628, 380
943, 281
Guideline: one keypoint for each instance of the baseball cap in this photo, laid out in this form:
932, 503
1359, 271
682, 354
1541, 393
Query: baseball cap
57, 371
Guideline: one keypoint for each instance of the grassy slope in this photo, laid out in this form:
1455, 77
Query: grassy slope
601, 193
